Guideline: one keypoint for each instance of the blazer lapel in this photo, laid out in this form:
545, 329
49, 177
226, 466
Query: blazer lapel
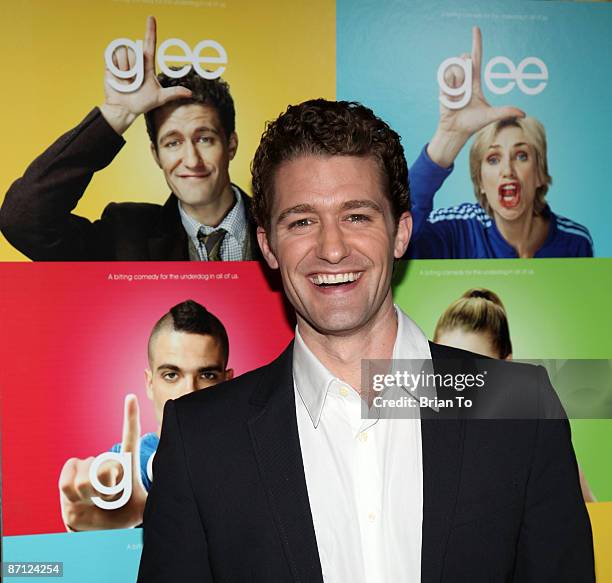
170, 241
274, 433
442, 443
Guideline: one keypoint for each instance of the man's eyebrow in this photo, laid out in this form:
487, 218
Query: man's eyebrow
174, 368
177, 133
171, 133
214, 368
348, 205
362, 203
168, 367
206, 129
295, 210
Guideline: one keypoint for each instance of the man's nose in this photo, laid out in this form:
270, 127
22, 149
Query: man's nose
189, 384
191, 155
332, 244
195, 383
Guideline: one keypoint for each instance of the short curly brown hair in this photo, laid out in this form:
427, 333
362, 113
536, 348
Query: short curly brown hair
328, 128
212, 92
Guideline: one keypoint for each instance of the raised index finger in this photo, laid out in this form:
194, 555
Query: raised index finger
150, 41
131, 425
476, 54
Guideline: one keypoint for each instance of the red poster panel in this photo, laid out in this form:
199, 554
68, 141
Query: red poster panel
74, 343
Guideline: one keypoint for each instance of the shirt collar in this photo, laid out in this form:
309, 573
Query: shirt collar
234, 222
312, 379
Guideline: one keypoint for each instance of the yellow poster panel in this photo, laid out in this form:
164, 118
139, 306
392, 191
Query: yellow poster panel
601, 522
278, 53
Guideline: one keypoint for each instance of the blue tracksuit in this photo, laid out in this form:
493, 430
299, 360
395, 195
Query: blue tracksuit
466, 231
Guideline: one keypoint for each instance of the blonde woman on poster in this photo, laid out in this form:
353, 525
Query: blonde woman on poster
509, 171
478, 322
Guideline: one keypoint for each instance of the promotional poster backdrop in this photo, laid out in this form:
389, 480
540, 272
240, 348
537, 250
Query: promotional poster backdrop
75, 339
77, 344
277, 54
548, 317
388, 56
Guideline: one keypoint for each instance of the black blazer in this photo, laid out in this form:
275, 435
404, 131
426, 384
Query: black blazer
36, 215
229, 503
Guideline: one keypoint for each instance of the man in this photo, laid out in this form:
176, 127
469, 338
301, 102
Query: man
188, 351
191, 124
276, 476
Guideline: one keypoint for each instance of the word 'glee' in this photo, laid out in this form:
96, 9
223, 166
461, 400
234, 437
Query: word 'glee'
191, 58
123, 487
512, 74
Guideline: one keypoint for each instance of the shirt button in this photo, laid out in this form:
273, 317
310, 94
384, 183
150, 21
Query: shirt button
371, 517
363, 436
344, 391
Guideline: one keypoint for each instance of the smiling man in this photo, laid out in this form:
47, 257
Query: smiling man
191, 124
278, 475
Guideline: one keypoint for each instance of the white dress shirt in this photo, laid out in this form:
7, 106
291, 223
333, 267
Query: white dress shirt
364, 476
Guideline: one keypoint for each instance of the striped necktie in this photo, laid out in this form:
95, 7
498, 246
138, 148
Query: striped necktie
212, 243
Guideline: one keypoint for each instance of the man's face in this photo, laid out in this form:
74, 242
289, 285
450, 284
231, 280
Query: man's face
334, 239
182, 363
194, 153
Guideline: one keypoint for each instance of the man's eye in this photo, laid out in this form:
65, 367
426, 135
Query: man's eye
300, 223
205, 140
172, 144
170, 376
358, 218
210, 376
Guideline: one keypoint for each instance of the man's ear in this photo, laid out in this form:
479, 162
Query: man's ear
402, 236
229, 374
155, 154
266, 249
232, 145
149, 383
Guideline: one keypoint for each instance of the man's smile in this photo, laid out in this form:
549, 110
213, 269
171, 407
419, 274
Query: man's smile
195, 175
327, 279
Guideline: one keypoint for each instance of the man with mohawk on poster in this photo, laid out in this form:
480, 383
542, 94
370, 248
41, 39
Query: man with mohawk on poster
188, 350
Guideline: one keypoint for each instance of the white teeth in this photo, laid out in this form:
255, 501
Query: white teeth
334, 278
